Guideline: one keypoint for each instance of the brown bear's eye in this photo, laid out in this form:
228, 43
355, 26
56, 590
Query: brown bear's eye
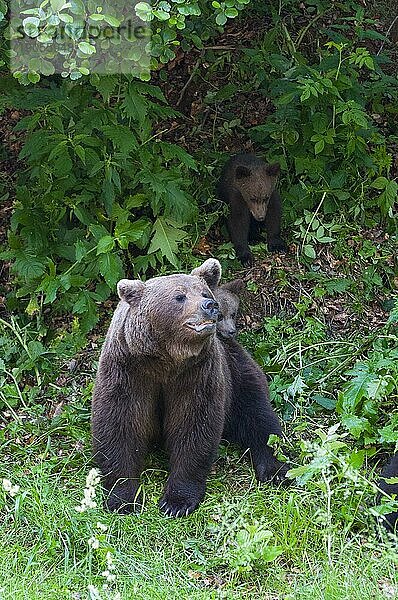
181, 298
234, 315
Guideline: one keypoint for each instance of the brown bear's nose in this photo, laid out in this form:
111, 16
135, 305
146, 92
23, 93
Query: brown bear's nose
210, 307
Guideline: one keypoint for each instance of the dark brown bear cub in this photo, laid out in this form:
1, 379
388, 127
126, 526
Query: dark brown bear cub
390, 471
250, 395
164, 375
227, 296
247, 184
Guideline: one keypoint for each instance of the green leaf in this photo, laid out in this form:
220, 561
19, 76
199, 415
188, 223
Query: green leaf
86, 48
127, 232
328, 403
28, 266
113, 21
165, 238
36, 349
121, 136
135, 201
221, 19
144, 11
49, 286
379, 183
31, 26
57, 5
105, 244
309, 251
355, 425
135, 105
111, 268
319, 146
356, 458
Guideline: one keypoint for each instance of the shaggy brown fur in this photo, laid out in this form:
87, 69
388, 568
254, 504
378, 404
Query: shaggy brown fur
164, 375
247, 184
253, 419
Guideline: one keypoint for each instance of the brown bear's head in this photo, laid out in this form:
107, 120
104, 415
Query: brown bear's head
256, 180
227, 296
175, 314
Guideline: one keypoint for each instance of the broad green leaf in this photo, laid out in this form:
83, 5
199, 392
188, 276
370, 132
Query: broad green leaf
105, 244
36, 349
127, 232
143, 10
135, 105
121, 136
27, 265
111, 268
309, 251
86, 48
165, 238
379, 183
355, 425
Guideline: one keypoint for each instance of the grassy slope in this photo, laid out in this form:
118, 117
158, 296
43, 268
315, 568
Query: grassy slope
44, 550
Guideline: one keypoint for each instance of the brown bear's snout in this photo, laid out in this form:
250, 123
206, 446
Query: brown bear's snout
210, 308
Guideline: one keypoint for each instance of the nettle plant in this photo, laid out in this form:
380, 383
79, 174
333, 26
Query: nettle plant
323, 130
100, 193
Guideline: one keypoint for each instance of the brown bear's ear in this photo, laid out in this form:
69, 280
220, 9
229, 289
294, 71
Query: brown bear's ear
273, 170
130, 290
242, 172
210, 271
236, 286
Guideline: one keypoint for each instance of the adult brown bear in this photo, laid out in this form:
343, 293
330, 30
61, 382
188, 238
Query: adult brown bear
164, 375
247, 184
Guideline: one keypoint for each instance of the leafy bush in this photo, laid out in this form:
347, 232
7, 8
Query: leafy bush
324, 129
76, 38
98, 185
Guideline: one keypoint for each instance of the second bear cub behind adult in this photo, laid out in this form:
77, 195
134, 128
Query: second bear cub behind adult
247, 184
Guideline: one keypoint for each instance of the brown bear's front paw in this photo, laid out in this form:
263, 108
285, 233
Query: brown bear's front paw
277, 245
124, 499
273, 472
179, 500
246, 259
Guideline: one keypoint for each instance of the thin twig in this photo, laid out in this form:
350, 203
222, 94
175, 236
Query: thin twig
387, 33
189, 80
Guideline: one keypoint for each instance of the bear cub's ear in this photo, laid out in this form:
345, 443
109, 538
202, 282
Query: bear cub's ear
242, 172
273, 170
130, 290
210, 271
236, 286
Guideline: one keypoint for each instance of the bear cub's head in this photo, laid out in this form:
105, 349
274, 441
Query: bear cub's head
256, 181
227, 296
173, 313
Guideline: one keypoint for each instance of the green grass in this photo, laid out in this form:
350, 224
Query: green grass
44, 549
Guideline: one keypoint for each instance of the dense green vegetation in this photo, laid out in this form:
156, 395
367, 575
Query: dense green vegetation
115, 177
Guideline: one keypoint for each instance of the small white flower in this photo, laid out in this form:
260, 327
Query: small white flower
101, 526
10, 488
93, 478
94, 543
109, 560
7, 485
94, 593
